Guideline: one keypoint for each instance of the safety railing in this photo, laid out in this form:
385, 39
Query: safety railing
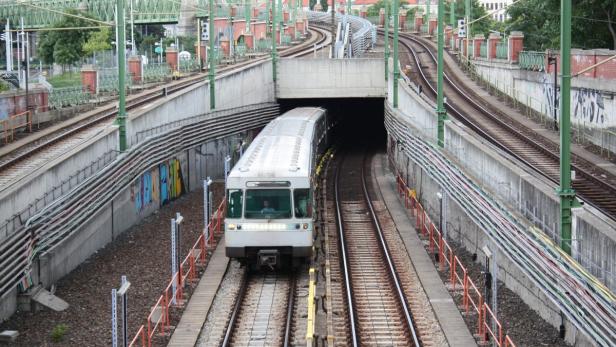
159, 318
363, 32
108, 80
491, 326
424, 28
530, 60
472, 299
502, 51
483, 50
156, 72
189, 65
68, 96
14, 122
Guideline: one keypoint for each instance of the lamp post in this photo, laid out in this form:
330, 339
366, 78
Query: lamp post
566, 192
212, 65
121, 46
467, 29
274, 49
386, 40
395, 43
553, 61
440, 107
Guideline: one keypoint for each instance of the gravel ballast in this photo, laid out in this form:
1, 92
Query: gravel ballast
142, 253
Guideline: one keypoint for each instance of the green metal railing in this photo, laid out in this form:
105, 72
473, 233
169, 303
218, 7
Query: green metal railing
286, 40
189, 65
530, 60
69, 96
241, 50
263, 45
502, 51
108, 80
483, 50
156, 72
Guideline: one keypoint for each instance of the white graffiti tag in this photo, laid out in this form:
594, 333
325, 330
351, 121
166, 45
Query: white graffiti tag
589, 106
550, 94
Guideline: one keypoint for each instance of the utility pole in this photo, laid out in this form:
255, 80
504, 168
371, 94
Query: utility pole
132, 30
333, 9
349, 4
121, 46
440, 107
467, 25
452, 19
566, 192
274, 49
267, 17
396, 67
428, 2
247, 15
210, 56
386, 40
452, 13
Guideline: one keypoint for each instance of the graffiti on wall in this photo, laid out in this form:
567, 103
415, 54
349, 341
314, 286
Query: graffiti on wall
588, 106
158, 185
550, 93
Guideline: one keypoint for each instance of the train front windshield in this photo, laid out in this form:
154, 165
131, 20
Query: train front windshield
268, 204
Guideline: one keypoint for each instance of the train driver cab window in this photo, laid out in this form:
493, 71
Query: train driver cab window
303, 203
234, 203
268, 204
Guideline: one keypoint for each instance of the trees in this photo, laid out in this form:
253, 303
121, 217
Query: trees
65, 47
97, 41
592, 24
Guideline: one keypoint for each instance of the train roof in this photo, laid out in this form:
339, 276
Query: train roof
282, 149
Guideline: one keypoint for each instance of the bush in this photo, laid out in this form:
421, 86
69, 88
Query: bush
58, 332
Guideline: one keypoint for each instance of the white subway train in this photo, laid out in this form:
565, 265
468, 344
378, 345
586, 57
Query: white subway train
270, 190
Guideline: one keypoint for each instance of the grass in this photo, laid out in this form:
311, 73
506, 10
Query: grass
68, 79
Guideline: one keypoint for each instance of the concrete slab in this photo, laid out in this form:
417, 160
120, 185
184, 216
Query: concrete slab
187, 331
47, 299
445, 309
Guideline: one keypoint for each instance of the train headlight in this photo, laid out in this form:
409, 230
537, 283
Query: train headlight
305, 226
231, 226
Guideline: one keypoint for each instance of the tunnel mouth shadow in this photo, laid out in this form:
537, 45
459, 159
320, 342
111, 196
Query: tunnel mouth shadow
360, 120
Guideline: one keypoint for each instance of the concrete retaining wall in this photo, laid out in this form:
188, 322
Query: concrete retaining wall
593, 106
330, 78
525, 195
249, 86
232, 90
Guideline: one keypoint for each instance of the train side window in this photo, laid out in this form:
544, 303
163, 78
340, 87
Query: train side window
303, 203
234, 203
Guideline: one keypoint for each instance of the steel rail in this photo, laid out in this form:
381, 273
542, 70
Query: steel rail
345, 262
399, 293
236, 310
392, 269
582, 189
109, 111
290, 304
572, 291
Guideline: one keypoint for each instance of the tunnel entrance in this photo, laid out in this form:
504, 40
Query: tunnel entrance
360, 120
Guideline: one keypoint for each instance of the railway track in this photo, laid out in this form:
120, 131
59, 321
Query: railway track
32, 156
593, 185
378, 310
263, 312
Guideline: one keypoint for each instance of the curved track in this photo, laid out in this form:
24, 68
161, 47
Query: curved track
378, 310
263, 311
32, 156
526, 145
